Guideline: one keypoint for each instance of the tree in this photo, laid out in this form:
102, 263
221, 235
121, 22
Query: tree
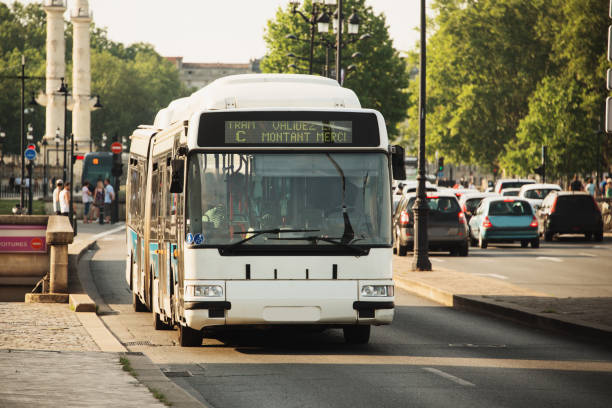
485, 58
134, 81
379, 79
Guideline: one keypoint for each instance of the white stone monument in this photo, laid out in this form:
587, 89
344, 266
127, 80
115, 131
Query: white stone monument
81, 75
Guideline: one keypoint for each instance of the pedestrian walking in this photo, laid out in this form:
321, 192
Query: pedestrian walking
591, 188
59, 186
64, 199
576, 184
98, 202
109, 197
87, 200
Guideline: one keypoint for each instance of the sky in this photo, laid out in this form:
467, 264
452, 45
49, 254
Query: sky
221, 30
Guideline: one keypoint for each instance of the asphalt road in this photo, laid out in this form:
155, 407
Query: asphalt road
568, 267
431, 356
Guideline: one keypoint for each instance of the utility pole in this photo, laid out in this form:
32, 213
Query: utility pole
21, 134
420, 261
339, 44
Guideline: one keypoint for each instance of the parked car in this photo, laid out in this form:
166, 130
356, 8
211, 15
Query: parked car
570, 212
446, 225
511, 183
504, 219
510, 192
469, 202
536, 193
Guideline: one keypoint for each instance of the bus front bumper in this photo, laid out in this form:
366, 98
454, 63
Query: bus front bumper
277, 302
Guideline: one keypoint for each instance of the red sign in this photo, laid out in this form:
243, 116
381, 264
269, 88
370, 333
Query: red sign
116, 148
36, 244
31, 147
23, 238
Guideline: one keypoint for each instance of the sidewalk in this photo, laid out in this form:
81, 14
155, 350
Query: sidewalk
586, 317
51, 356
48, 359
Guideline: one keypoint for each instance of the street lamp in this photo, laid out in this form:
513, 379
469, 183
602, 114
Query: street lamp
30, 134
57, 142
2, 137
64, 90
45, 158
420, 261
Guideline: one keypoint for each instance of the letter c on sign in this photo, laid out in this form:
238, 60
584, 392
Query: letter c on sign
238, 138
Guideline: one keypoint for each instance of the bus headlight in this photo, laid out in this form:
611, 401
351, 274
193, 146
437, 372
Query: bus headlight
205, 290
377, 290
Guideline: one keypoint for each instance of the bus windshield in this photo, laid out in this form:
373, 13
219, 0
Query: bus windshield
234, 196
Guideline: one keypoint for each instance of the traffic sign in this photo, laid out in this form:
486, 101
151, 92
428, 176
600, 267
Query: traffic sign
31, 146
30, 154
116, 147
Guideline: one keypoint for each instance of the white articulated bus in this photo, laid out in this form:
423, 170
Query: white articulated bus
262, 200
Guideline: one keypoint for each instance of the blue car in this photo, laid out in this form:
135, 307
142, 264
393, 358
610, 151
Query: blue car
504, 219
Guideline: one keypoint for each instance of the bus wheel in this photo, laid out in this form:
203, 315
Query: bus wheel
189, 337
357, 334
159, 324
138, 305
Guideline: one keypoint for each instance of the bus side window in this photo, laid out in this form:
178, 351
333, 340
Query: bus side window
154, 201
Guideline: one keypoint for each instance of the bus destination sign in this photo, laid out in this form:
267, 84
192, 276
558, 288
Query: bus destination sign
294, 132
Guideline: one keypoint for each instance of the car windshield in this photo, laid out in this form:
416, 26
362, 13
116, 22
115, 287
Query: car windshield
441, 205
234, 196
510, 193
538, 193
509, 208
514, 184
578, 204
472, 204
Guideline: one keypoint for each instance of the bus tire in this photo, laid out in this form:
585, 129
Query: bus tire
158, 324
357, 334
138, 305
189, 337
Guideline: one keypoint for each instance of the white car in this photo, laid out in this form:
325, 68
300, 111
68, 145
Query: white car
536, 193
511, 183
510, 192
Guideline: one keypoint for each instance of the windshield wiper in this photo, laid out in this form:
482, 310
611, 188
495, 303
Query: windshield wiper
348, 234
315, 238
268, 231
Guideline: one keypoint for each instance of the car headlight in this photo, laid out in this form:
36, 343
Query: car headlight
377, 290
205, 290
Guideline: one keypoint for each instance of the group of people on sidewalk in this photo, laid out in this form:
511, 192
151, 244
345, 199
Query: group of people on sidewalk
603, 189
96, 201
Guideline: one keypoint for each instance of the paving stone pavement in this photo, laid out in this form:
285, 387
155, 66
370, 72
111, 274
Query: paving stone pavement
42, 326
68, 379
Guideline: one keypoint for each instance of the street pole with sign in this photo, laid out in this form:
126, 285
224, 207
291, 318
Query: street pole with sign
116, 148
30, 155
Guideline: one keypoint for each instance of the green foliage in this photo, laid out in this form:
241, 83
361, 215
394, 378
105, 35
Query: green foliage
379, 80
505, 76
133, 82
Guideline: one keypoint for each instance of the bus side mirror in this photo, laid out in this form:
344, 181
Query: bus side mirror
397, 163
176, 185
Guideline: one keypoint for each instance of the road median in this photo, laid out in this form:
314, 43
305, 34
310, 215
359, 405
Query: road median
588, 318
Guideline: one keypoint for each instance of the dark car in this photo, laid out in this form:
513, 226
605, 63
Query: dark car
446, 225
570, 212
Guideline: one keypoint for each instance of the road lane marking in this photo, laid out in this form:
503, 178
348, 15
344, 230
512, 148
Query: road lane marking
549, 258
448, 376
586, 254
228, 355
493, 275
109, 232
438, 259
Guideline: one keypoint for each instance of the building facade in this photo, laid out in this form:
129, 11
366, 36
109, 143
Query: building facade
197, 75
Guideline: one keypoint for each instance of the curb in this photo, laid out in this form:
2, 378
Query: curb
150, 375
489, 306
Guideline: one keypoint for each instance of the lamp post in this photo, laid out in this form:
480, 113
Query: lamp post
30, 184
45, 158
57, 142
317, 17
64, 90
420, 261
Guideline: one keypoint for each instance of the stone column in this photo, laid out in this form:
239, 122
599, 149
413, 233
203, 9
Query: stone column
81, 74
56, 69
